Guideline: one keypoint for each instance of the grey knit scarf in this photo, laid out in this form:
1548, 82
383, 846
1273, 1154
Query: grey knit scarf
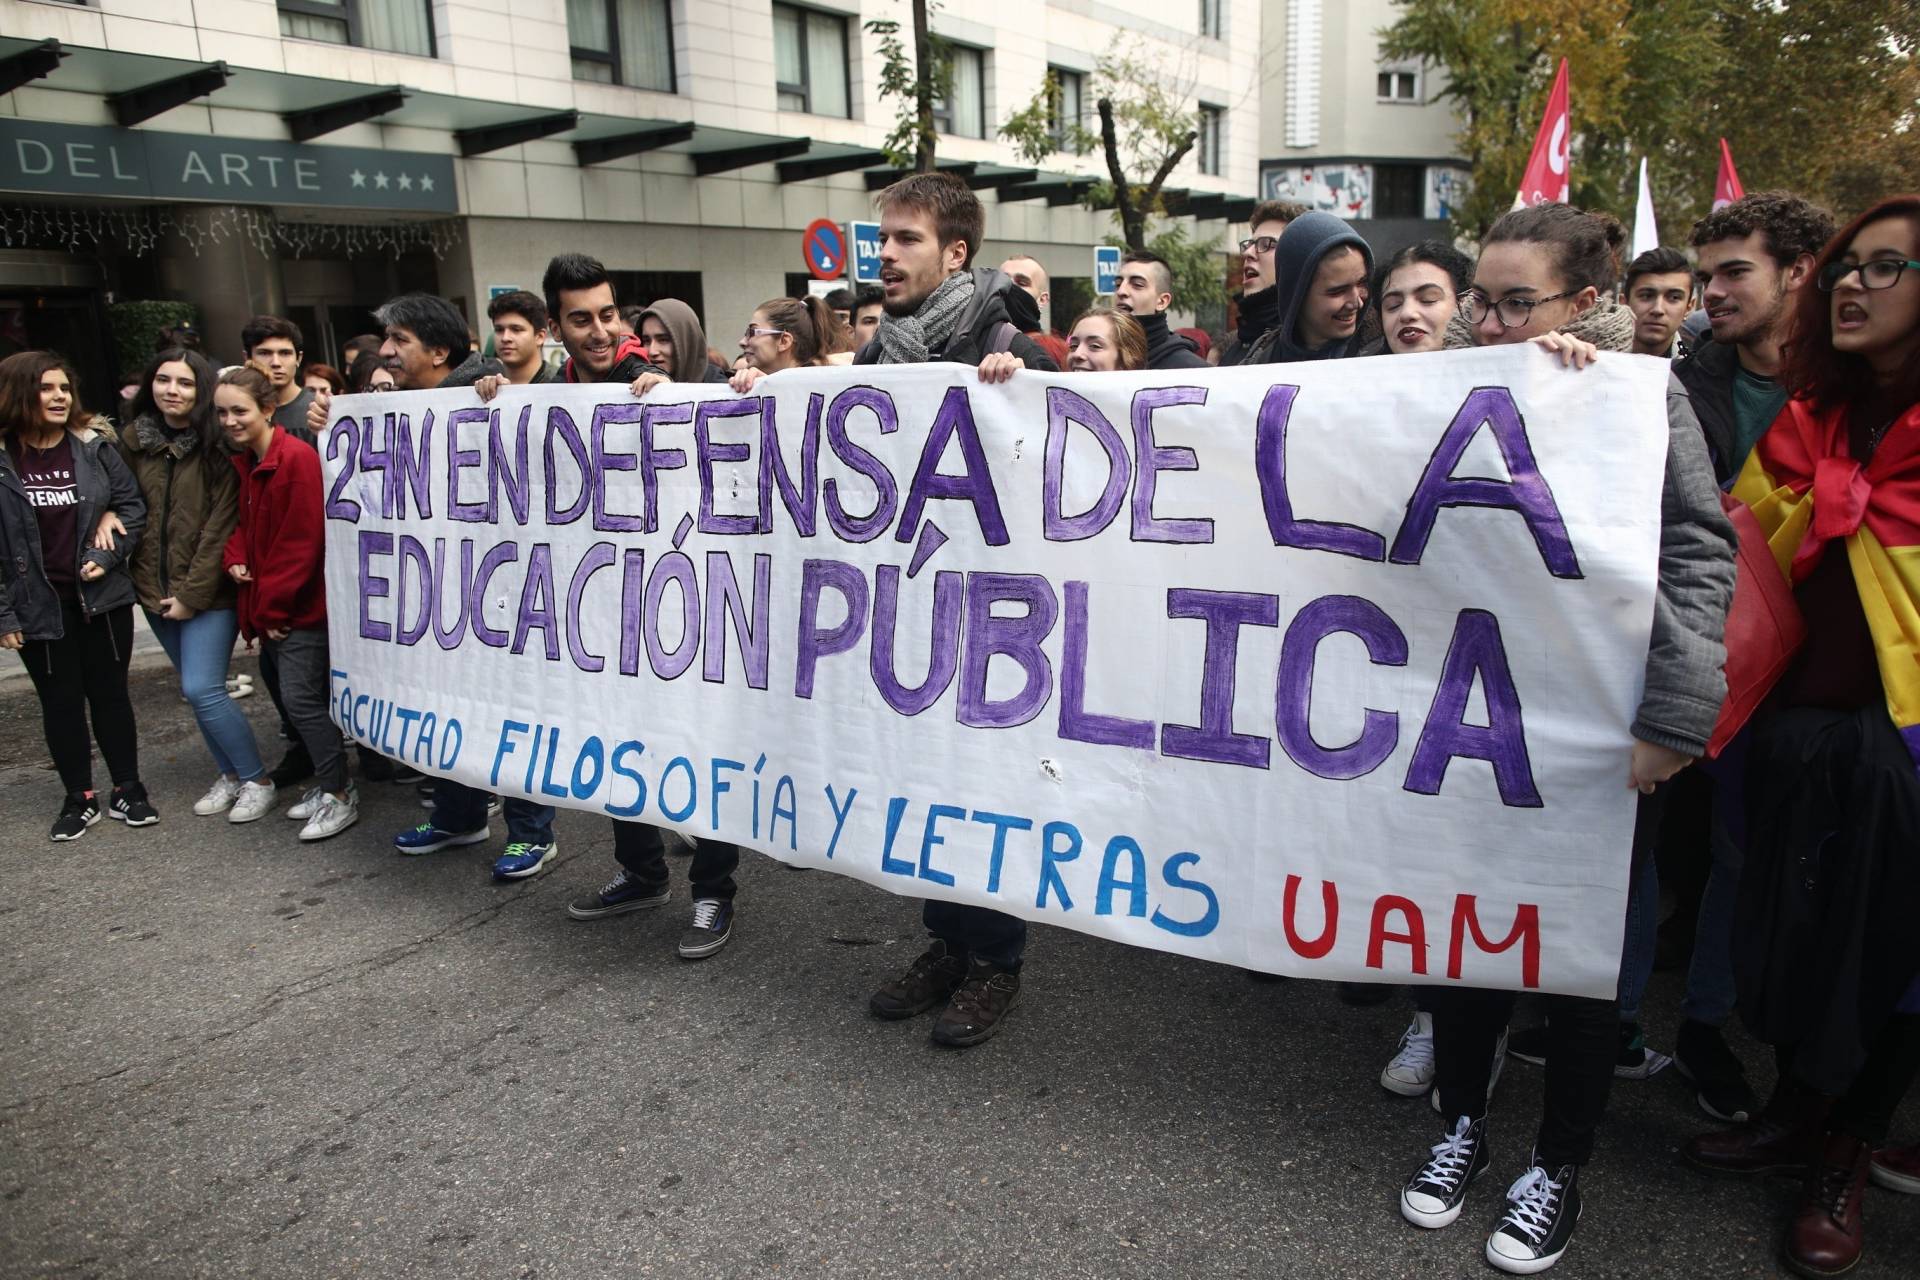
908, 340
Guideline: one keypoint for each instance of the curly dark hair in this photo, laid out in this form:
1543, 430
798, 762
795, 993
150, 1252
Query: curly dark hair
1791, 225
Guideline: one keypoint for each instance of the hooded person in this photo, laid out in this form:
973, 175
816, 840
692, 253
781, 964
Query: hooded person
683, 356
1321, 268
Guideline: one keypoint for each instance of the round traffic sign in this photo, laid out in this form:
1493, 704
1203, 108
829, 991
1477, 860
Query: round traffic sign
824, 246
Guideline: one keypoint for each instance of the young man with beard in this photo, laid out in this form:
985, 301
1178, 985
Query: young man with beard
1323, 267
1259, 270
1754, 255
1145, 292
938, 309
1659, 291
587, 318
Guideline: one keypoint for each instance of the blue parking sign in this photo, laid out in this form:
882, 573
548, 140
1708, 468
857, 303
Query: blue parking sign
865, 237
1106, 268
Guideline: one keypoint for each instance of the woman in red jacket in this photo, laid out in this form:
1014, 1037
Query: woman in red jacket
277, 555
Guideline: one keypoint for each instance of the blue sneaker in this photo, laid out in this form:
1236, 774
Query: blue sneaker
427, 838
519, 861
622, 893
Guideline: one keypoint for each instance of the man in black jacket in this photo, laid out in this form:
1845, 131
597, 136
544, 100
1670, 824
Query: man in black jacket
1754, 255
1145, 292
937, 309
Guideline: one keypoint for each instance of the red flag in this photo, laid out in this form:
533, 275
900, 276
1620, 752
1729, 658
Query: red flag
1547, 179
1726, 185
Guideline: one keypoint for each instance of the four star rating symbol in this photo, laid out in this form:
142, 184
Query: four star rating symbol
381, 181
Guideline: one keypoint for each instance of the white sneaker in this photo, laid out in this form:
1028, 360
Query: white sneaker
305, 806
255, 801
1410, 1074
219, 798
332, 816
1499, 1065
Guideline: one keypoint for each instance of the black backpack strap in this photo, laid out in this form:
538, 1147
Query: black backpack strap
1003, 335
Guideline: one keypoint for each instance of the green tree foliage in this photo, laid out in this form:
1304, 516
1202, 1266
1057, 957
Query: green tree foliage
1813, 95
916, 82
1144, 128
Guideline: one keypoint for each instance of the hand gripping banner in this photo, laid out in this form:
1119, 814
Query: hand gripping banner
1321, 669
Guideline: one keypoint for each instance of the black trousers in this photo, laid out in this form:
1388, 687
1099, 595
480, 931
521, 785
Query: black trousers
1583, 1040
1824, 934
1865, 1110
643, 852
82, 674
993, 936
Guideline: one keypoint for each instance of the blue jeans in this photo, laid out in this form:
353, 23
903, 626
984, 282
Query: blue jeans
1710, 994
1636, 948
458, 807
200, 649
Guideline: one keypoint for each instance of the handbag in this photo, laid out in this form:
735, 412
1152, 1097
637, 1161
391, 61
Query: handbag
1764, 627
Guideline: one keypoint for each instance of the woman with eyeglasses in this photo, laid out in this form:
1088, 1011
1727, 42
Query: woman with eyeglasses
1540, 278
1825, 962
785, 333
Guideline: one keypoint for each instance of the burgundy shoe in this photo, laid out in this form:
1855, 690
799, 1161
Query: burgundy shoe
1784, 1138
1898, 1168
1826, 1234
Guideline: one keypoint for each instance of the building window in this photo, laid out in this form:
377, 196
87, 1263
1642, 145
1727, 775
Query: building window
1399, 190
1212, 16
810, 61
1303, 73
1399, 84
962, 111
397, 26
626, 42
1208, 144
1069, 108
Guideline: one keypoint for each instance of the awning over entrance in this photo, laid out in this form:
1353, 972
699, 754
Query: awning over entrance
137, 87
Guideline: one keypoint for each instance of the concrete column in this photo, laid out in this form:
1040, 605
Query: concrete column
229, 279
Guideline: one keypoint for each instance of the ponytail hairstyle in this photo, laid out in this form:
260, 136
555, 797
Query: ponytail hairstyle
254, 383
200, 423
807, 321
1586, 247
20, 376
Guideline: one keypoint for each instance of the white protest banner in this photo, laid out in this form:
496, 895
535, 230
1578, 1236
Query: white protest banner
1323, 669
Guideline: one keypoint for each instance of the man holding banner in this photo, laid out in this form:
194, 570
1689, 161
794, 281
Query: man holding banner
937, 309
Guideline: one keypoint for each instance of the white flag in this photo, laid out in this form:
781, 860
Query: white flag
1646, 235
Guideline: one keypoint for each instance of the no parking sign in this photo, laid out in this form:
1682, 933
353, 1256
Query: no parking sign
824, 246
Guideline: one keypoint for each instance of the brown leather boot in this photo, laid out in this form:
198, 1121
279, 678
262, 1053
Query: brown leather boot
1826, 1234
931, 980
1784, 1138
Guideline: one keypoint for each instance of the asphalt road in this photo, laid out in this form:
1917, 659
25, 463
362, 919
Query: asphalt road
228, 1054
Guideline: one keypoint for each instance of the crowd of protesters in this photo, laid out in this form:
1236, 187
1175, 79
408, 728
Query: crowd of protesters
1793, 418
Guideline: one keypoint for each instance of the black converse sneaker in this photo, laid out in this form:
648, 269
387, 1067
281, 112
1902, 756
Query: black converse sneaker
1543, 1207
1432, 1197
